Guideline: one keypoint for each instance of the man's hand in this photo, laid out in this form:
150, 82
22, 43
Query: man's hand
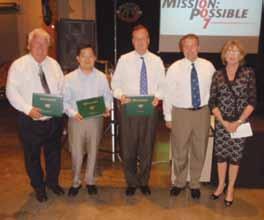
155, 101
78, 117
107, 113
35, 113
124, 100
168, 124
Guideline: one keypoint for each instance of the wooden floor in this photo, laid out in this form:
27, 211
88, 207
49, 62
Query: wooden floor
17, 199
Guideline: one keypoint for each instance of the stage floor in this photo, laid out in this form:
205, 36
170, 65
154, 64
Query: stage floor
17, 199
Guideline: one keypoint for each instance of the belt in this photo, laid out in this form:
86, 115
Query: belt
194, 109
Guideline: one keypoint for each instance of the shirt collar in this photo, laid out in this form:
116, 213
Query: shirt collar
143, 55
35, 62
84, 75
189, 62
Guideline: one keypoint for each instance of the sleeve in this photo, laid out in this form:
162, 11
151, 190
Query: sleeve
12, 90
161, 72
252, 93
167, 104
213, 102
67, 99
61, 79
107, 93
117, 78
213, 70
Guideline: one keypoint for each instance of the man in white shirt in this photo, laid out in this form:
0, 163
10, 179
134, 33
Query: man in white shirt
36, 72
138, 72
187, 89
84, 133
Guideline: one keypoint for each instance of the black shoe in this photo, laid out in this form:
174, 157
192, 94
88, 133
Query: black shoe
228, 203
145, 190
175, 191
130, 190
215, 197
73, 191
195, 193
92, 189
41, 195
57, 189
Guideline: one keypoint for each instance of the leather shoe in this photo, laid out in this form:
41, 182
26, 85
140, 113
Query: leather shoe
130, 190
175, 191
73, 191
195, 193
215, 197
92, 189
228, 203
145, 190
57, 189
41, 195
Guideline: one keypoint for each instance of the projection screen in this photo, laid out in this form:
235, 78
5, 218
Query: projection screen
214, 21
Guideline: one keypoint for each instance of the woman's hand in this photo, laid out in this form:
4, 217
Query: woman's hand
231, 126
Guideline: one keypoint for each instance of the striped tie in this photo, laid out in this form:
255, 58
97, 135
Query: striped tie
43, 80
196, 99
143, 78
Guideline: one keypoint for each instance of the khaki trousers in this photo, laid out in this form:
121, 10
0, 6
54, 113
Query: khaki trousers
189, 134
84, 137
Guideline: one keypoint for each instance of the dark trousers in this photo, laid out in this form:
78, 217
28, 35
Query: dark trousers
37, 134
137, 140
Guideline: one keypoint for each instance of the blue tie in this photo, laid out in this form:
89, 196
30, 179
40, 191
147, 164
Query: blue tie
143, 78
196, 99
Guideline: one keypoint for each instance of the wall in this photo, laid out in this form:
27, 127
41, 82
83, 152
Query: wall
76, 9
29, 17
8, 34
14, 27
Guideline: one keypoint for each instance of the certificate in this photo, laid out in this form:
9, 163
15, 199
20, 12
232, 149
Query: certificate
91, 107
140, 105
49, 105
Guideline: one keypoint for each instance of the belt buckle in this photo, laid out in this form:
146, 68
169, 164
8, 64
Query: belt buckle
196, 109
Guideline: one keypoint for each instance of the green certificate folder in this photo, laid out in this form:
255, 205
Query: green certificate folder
91, 107
140, 105
50, 105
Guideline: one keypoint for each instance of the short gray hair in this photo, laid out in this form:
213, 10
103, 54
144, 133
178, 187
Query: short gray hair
38, 32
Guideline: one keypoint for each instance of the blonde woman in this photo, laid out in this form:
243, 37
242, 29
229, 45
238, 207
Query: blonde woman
232, 101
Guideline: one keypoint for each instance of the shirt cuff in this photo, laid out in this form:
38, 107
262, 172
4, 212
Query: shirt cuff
167, 117
117, 93
27, 109
159, 95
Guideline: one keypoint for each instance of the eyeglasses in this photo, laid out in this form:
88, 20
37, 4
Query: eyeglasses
233, 52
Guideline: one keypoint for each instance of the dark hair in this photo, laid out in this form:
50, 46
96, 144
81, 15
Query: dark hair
84, 46
139, 27
188, 36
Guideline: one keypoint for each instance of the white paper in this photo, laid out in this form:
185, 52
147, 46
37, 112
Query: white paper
244, 130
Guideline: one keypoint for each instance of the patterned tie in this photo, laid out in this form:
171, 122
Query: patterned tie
196, 99
143, 78
43, 80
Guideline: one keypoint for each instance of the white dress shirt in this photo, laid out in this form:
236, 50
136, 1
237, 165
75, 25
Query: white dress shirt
79, 86
126, 79
23, 80
177, 87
